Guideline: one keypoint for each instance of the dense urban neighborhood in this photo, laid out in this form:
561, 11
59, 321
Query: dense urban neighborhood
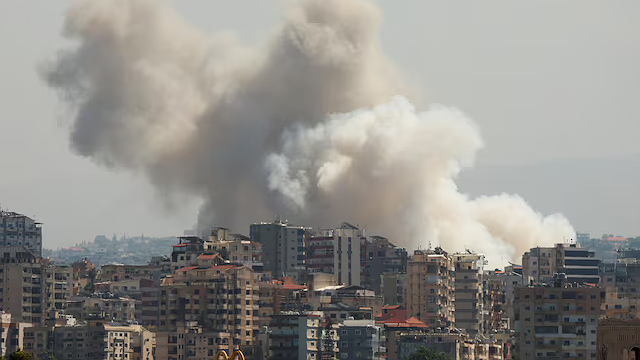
294, 292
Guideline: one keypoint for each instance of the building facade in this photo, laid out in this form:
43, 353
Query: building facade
469, 299
431, 288
558, 321
393, 287
217, 306
378, 257
21, 230
578, 264
361, 339
283, 247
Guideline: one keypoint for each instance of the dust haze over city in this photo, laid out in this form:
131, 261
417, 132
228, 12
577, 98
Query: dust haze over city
422, 126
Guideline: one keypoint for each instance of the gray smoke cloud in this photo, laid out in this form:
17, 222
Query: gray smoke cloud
316, 125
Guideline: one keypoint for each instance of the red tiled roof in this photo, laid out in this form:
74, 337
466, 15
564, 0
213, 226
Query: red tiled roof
409, 323
390, 307
206, 256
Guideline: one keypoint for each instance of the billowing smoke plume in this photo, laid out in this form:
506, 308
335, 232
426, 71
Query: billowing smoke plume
312, 126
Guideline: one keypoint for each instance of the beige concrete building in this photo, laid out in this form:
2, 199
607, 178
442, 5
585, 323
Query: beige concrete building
430, 288
31, 289
469, 303
557, 321
121, 272
203, 310
620, 308
131, 342
13, 334
121, 309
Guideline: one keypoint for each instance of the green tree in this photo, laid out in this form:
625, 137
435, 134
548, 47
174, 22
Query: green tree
19, 355
428, 354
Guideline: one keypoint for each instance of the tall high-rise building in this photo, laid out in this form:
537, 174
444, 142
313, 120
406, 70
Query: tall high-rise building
18, 229
469, 304
430, 288
578, 264
283, 247
347, 255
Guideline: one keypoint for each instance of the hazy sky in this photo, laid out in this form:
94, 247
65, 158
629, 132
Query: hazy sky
553, 85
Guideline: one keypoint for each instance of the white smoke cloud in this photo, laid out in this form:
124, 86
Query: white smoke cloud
310, 126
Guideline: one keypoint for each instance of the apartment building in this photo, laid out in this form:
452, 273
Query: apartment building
31, 289
218, 305
469, 297
112, 308
122, 272
128, 288
361, 339
499, 305
186, 252
297, 335
86, 340
283, 247
12, 334
578, 264
347, 252
240, 250
393, 287
617, 307
622, 277
20, 230
58, 281
129, 342
320, 248
379, 256
458, 346
494, 298
430, 288
557, 321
